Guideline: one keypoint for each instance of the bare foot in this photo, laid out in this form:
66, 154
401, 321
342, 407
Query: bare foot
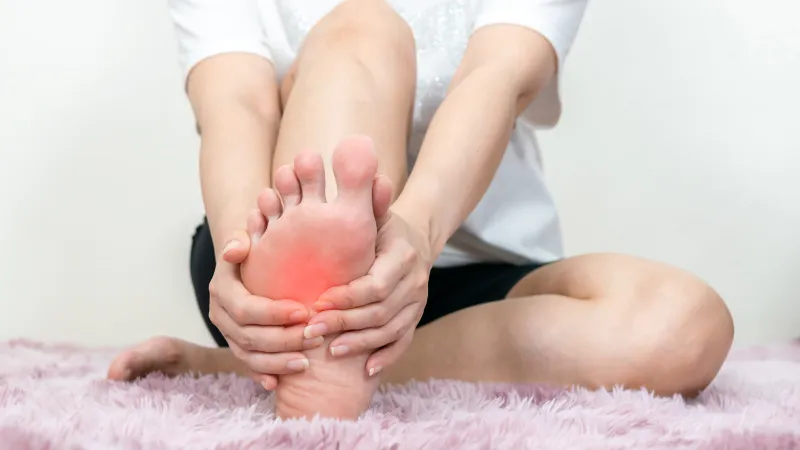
172, 357
313, 246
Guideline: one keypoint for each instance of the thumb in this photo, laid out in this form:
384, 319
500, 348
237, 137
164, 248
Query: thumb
237, 248
381, 198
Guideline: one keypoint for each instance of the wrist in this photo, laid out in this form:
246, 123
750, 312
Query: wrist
418, 215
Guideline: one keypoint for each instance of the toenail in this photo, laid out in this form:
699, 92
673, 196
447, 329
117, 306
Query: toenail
339, 350
375, 370
297, 364
312, 331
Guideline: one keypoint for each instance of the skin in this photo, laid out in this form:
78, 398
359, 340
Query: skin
310, 244
594, 320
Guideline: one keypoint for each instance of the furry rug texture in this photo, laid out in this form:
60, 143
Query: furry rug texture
55, 397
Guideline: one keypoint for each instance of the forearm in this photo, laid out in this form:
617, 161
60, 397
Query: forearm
235, 166
471, 129
460, 155
236, 105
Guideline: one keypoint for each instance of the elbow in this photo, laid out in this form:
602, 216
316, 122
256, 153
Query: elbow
517, 85
521, 60
262, 105
259, 107
233, 83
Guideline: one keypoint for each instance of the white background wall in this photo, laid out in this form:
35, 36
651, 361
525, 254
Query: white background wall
678, 143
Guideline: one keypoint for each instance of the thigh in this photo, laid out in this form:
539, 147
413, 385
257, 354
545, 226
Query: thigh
611, 277
593, 320
452, 289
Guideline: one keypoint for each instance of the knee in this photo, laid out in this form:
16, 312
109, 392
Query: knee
679, 335
370, 34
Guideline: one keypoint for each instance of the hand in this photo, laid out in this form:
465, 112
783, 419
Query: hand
382, 309
264, 334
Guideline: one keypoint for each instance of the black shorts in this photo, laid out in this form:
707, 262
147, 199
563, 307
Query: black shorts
450, 289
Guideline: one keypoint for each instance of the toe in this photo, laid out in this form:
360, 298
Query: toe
354, 166
269, 204
134, 363
256, 226
120, 367
311, 174
287, 185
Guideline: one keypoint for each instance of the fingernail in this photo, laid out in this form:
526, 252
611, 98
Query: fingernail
312, 331
297, 364
313, 343
266, 385
298, 316
231, 245
374, 371
339, 350
323, 305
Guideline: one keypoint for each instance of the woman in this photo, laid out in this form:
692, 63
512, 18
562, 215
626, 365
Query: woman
466, 278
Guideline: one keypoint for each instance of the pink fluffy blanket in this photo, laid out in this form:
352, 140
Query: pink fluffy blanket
56, 397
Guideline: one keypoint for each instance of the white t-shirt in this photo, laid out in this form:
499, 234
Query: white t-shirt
516, 220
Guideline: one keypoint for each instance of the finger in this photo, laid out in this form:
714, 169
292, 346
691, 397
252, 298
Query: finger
271, 363
237, 248
388, 355
374, 338
248, 309
256, 226
268, 382
375, 286
374, 315
267, 339
381, 197
230, 299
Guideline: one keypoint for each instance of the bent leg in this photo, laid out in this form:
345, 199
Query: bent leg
355, 74
596, 321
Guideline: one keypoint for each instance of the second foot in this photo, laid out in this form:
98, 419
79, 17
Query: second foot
172, 357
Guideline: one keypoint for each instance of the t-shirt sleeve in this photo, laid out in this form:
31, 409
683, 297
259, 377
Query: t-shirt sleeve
206, 28
558, 22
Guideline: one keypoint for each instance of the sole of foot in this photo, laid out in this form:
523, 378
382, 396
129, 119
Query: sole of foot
307, 245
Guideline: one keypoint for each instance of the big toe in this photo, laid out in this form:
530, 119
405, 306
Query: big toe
120, 367
130, 365
159, 354
354, 166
